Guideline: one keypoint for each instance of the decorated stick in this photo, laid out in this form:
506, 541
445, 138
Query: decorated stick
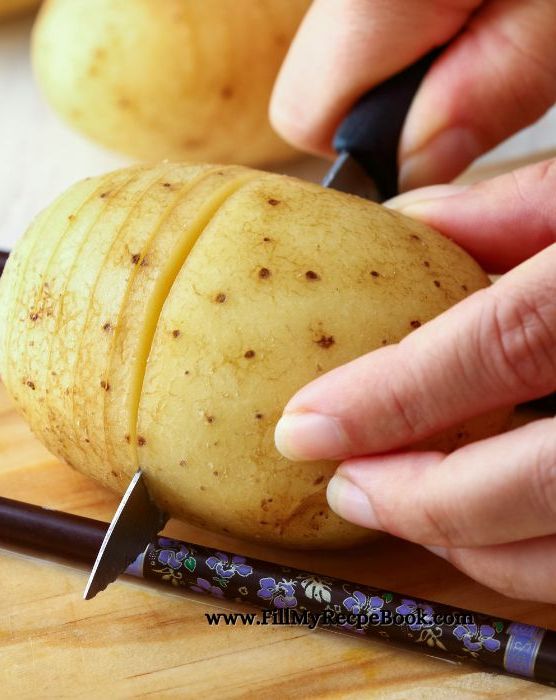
288, 596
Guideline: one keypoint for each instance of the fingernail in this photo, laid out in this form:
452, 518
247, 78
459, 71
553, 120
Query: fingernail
305, 436
440, 159
350, 502
424, 197
439, 551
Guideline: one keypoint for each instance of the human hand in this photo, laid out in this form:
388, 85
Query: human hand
496, 77
489, 507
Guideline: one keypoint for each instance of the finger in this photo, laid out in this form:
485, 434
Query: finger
525, 570
345, 47
498, 490
493, 349
500, 222
496, 78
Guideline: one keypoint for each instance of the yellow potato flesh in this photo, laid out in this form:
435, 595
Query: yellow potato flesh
171, 79
186, 305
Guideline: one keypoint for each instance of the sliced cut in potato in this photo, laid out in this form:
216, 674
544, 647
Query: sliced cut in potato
177, 233
38, 295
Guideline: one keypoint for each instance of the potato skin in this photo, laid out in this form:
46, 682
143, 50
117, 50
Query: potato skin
268, 282
172, 79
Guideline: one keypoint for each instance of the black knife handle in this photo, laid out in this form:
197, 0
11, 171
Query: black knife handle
3, 261
372, 129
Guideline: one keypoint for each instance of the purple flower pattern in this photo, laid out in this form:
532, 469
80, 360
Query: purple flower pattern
226, 567
476, 637
409, 607
281, 593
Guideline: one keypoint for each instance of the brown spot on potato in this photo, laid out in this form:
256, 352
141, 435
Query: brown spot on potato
464, 287
166, 184
183, 463
30, 384
141, 441
414, 237
273, 202
384, 342
186, 372
107, 327
249, 354
33, 316
325, 341
220, 298
71, 217
415, 323
266, 239
436, 283
312, 275
318, 480
374, 273
215, 473
114, 474
103, 195
209, 419
176, 333
426, 263
135, 258
258, 416
226, 92
202, 488
264, 273
105, 385
127, 439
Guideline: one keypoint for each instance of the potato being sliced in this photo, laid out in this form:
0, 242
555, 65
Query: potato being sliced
203, 297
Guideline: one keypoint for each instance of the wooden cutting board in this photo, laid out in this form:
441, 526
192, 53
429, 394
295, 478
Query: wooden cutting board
132, 641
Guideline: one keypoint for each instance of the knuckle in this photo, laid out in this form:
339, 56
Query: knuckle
440, 525
517, 336
541, 473
410, 419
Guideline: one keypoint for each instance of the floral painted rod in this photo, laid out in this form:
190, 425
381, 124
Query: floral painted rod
289, 595
286, 595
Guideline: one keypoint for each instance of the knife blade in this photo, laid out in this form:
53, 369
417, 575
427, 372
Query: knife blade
136, 522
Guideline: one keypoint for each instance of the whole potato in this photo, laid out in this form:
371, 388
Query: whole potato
178, 79
162, 317
10, 8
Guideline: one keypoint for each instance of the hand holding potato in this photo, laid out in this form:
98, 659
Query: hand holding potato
161, 316
490, 506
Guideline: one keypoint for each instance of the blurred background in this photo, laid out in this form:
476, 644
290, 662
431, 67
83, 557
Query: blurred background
40, 155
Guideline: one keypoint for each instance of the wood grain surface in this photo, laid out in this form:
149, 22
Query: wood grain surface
132, 641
